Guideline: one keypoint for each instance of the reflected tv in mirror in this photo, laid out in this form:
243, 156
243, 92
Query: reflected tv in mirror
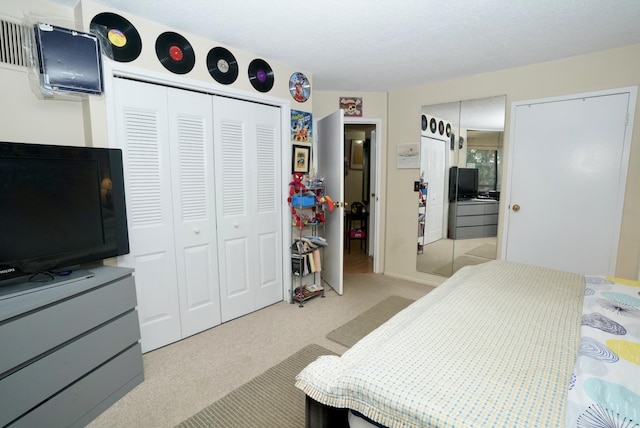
463, 183
62, 206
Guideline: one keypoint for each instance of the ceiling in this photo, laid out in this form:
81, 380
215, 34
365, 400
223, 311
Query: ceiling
381, 45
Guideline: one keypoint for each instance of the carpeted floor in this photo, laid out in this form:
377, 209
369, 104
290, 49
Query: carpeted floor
487, 251
269, 400
349, 333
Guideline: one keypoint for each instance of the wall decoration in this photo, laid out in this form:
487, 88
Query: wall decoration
222, 65
300, 159
356, 154
121, 40
352, 106
175, 53
261, 75
408, 155
299, 87
301, 126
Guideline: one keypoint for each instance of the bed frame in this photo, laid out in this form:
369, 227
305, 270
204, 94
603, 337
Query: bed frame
318, 415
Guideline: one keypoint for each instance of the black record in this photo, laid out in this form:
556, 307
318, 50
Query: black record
448, 129
124, 40
260, 75
441, 127
425, 123
433, 125
222, 65
175, 52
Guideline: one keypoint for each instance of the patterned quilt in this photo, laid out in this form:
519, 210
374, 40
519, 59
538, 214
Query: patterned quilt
605, 384
494, 346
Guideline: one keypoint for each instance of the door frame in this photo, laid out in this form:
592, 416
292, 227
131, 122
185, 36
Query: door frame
633, 93
376, 188
113, 70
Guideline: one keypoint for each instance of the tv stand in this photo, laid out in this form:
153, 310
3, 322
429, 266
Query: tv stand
72, 349
473, 218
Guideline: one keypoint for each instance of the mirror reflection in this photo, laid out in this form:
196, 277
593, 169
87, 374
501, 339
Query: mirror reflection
459, 184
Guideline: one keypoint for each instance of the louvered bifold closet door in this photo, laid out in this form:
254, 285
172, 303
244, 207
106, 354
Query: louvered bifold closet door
143, 135
248, 168
190, 120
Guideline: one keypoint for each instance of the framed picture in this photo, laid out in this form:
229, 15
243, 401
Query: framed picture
408, 155
300, 159
352, 106
356, 154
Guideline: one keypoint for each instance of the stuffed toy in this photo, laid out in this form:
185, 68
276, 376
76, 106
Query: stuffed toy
297, 184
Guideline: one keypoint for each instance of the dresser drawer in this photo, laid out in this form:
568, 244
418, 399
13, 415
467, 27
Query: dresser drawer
45, 377
38, 332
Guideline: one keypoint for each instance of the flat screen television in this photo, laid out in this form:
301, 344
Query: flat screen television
463, 183
61, 207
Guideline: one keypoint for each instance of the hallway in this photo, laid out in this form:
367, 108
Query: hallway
357, 262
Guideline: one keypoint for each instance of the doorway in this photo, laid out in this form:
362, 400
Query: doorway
359, 172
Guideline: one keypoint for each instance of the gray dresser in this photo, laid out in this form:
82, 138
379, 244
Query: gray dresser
473, 218
69, 349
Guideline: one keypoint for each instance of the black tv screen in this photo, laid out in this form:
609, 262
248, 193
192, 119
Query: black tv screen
61, 206
463, 183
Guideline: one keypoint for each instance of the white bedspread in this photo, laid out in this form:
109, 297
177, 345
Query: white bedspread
494, 346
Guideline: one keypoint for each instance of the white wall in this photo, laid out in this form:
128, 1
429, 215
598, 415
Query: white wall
25, 117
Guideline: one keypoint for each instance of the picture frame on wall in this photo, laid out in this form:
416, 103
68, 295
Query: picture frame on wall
356, 154
300, 159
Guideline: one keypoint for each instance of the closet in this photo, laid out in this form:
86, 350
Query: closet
203, 184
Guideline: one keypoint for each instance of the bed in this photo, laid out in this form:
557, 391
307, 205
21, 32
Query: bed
499, 344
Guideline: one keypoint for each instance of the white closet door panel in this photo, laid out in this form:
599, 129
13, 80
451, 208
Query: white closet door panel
142, 135
267, 223
247, 168
190, 123
232, 168
236, 290
156, 299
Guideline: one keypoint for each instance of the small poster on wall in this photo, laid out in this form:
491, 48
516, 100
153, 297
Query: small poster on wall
408, 155
301, 126
352, 106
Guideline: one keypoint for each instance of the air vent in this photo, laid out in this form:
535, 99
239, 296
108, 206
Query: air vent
12, 39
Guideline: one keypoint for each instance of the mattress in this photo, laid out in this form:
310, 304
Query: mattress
494, 345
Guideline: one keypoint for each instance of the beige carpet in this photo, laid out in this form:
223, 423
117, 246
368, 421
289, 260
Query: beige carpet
269, 400
458, 263
487, 251
363, 324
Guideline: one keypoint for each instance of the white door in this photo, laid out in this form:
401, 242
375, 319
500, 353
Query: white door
249, 192
143, 135
568, 162
193, 190
373, 197
434, 221
330, 161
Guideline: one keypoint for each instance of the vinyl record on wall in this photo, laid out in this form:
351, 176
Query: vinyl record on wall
448, 129
222, 65
260, 75
175, 52
124, 41
433, 125
425, 122
441, 128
